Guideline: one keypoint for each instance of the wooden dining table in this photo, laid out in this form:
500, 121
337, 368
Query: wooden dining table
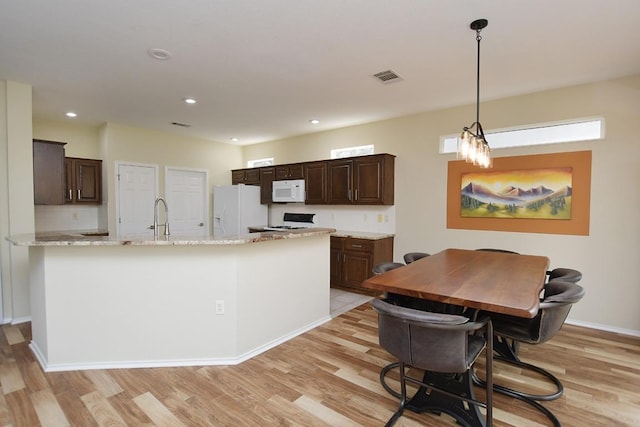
483, 280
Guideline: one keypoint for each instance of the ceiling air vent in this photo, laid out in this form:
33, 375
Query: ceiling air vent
387, 77
184, 125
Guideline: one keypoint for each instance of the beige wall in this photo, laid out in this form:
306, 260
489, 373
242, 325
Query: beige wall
609, 257
82, 140
121, 143
17, 212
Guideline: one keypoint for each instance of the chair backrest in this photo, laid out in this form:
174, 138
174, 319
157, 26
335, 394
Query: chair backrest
386, 266
504, 251
559, 296
414, 256
565, 275
430, 341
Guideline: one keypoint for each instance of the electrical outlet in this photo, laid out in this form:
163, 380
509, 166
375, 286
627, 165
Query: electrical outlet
379, 217
219, 307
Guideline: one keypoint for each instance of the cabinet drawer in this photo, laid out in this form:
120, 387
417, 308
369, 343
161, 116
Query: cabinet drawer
336, 242
361, 245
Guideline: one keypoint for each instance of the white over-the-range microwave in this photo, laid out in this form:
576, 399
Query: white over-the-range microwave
288, 191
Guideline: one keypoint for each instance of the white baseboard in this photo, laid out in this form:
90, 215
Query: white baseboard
601, 327
172, 363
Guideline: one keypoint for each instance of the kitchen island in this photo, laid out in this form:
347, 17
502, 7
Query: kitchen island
103, 302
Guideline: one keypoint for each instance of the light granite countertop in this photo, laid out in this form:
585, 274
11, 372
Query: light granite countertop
91, 239
362, 234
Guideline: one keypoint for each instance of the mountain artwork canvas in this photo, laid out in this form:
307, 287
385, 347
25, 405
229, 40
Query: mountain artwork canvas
535, 193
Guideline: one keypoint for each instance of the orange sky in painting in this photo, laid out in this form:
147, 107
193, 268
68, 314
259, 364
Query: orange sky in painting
553, 178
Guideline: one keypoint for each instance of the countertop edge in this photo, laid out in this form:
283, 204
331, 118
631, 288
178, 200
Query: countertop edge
62, 239
362, 234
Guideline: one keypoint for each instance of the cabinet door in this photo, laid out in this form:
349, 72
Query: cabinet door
237, 176
267, 175
250, 176
69, 180
48, 172
290, 171
340, 182
357, 268
315, 181
335, 276
88, 180
367, 178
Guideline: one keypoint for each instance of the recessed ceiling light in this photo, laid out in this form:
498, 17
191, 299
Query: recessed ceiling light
160, 54
314, 121
71, 114
234, 139
190, 100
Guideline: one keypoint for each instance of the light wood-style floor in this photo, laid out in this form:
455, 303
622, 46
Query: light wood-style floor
326, 377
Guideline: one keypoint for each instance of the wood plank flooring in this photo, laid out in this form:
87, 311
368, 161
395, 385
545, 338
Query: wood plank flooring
326, 377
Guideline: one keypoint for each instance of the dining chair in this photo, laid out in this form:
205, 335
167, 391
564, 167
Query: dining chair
414, 256
510, 331
504, 251
386, 266
564, 274
437, 344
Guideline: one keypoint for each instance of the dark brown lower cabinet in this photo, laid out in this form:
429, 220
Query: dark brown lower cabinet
353, 259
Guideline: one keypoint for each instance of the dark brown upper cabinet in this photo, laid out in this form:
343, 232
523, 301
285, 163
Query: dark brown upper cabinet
249, 176
365, 180
83, 178
289, 171
267, 176
48, 172
315, 181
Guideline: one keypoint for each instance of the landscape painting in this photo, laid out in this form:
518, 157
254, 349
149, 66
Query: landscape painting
543, 193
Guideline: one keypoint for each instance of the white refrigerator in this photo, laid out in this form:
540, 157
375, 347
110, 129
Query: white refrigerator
236, 208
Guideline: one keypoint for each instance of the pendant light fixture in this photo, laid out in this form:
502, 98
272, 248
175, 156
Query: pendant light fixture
472, 145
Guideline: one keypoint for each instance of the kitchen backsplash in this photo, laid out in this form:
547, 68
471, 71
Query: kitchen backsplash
69, 217
376, 219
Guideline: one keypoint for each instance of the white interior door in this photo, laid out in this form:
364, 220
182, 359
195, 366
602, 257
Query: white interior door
137, 186
187, 193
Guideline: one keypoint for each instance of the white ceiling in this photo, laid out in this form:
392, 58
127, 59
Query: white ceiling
261, 69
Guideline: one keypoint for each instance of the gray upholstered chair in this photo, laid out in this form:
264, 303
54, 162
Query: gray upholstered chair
510, 331
438, 344
414, 256
504, 251
386, 266
564, 274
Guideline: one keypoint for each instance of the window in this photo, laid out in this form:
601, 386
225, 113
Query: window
550, 133
361, 150
260, 162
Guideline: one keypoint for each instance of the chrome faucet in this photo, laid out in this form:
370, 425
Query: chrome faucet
155, 217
